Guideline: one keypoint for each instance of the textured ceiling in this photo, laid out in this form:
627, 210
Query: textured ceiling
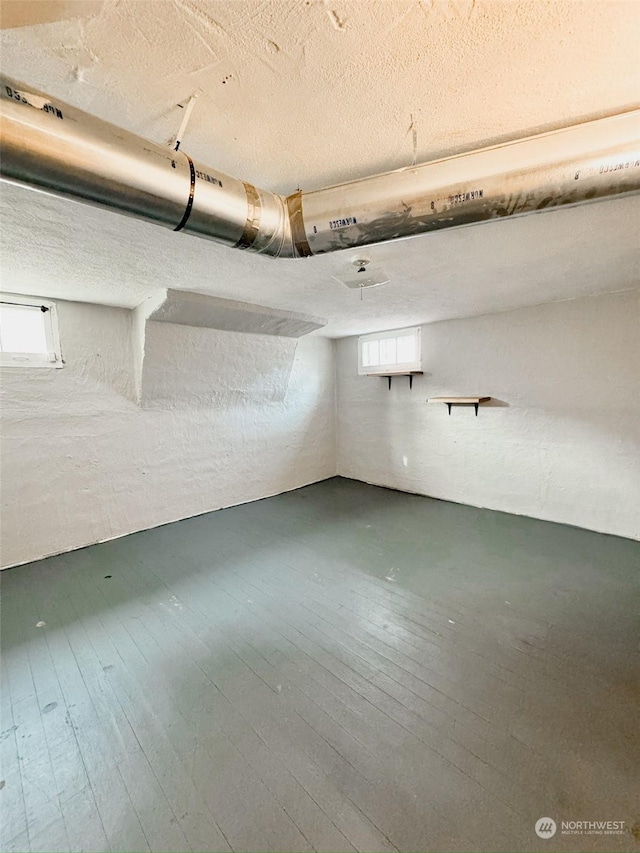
307, 93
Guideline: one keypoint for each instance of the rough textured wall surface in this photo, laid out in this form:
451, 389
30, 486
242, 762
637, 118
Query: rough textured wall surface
561, 441
225, 418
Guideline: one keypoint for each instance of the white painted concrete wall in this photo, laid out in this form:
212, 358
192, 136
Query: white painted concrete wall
562, 440
228, 418
225, 418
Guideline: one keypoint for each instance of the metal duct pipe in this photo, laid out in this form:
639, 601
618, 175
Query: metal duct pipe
48, 145
589, 161
51, 146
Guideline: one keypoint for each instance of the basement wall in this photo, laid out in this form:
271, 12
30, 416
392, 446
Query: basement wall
561, 439
223, 418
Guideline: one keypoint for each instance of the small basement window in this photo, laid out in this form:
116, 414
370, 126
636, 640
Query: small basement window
390, 352
28, 333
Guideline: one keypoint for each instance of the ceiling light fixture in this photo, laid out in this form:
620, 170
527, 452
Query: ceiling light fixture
361, 276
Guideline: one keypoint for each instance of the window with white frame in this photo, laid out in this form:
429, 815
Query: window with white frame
390, 352
28, 333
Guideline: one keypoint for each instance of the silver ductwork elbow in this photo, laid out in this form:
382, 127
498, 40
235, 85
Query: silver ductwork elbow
48, 145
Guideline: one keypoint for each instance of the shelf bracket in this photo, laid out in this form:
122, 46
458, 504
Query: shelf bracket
460, 401
475, 406
389, 377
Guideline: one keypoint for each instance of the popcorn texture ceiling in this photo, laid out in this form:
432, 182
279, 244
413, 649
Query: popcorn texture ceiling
306, 93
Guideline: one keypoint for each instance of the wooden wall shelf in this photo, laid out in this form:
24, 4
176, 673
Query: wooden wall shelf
389, 376
459, 401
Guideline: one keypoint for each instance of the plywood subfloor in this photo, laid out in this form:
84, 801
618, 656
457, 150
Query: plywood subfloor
338, 668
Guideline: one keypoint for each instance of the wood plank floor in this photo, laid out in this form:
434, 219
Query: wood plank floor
339, 668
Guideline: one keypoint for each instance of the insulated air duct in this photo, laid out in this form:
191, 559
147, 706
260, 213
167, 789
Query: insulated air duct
51, 146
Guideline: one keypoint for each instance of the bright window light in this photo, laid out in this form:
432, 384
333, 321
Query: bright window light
390, 352
406, 348
28, 333
370, 353
22, 329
